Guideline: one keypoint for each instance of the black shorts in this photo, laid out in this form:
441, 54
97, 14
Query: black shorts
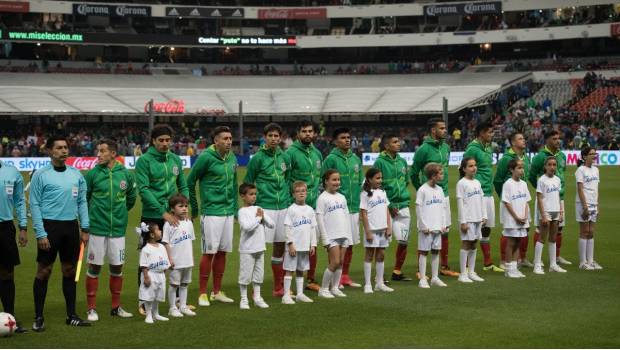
9, 255
64, 238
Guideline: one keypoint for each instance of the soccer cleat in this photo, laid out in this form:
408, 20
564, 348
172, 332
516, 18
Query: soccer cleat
278, 293
526, 263
538, 269
368, 289
336, 292
465, 279
423, 284
174, 312
511, 274
161, 318
92, 315
38, 325
260, 303
141, 309
149, 319
383, 288
302, 298
286, 299
437, 282
586, 266
560, 260
519, 273
187, 311
203, 300
400, 277
556, 268
474, 277
445, 271
595, 265
493, 268
19, 329
325, 293
313, 286
345, 280
244, 304
75, 321
221, 297
120, 312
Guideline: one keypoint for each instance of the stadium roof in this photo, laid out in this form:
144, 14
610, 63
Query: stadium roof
33, 93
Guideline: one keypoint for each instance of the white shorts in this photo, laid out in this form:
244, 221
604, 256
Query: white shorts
217, 234
401, 224
275, 234
156, 291
551, 216
379, 240
431, 241
251, 268
591, 208
490, 203
355, 228
515, 232
342, 242
180, 276
299, 262
447, 212
474, 232
101, 246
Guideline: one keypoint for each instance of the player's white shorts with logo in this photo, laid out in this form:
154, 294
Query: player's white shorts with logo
275, 234
474, 232
431, 241
515, 232
379, 240
251, 268
180, 276
447, 212
156, 291
593, 209
299, 262
100, 247
217, 233
401, 225
355, 228
490, 204
341, 242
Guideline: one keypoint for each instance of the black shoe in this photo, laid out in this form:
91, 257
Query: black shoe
38, 325
400, 277
19, 329
75, 321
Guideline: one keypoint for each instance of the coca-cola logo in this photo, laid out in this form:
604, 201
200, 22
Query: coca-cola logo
82, 163
172, 106
275, 14
295, 13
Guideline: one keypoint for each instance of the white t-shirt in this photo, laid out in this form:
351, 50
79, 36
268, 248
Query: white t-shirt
376, 208
517, 194
430, 208
301, 221
335, 216
154, 258
471, 201
252, 239
180, 241
550, 189
589, 177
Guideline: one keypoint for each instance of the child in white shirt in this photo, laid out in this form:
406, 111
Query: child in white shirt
587, 207
153, 264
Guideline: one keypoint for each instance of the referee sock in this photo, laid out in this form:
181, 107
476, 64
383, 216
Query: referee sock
68, 290
7, 294
39, 290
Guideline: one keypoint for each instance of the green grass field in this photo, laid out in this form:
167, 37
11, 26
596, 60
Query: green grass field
579, 309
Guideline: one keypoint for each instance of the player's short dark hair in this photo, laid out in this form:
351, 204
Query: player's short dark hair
339, 131
49, 143
112, 145
272, 127
385, 139
551, 133
220, 129
161, 129
176, 199
432, 169
433, 122
305, 124
514, 135
482, 127
245, 187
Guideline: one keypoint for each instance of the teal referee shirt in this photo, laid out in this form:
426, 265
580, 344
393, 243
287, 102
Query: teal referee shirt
12, 199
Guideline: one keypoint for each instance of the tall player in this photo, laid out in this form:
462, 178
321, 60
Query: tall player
502, 174
306, 161
480, 149
395, 180
269, 169
551, 149
436, 150
216, 171
111, 194
349, 165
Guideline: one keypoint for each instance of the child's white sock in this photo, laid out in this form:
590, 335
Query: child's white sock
463, 261
148, 308
183, 296
435, 265
327, 278
471, 260
590, 250
155, 309
538, 249
583, 243
287, 284
552, 256
367, 272
172, 296
256, 290
299, 281
243, 288
380, 266
336, 277
422, 265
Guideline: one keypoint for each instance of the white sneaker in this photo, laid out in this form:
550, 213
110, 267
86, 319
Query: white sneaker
538, 269
511, 274
474, 277
161, 318
556, 268
560, 260
338, 293
526, 263
586, 266
174, 312
340, 286
325, 293
203, 300
149, 319
596, 266
383, 288
260, 303
286, 299
368, 289
92, 315
519, 274
244, 304
423, 283
437, 282
120, 312
465, 278
302, 298
187, 311
221, 297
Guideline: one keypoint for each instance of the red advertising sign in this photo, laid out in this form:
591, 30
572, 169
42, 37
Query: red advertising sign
615, 29
172, 106
14, 6
86, 163
293, 13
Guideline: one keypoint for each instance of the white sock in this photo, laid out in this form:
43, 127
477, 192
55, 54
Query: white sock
590, 250
471, 260
183, 296
463, 261
538, 249
552, 256
422, 265
327, 278
299, 281
336, 277
583, 243
380, 266
243, 288
155, 309
435, 265
256, 290
367, 272
172, 296
287, 284
148, 308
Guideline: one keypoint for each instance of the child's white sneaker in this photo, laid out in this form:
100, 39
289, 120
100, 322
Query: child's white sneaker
538, 269
286, 299
149, 319
383, 288
325, 293
174, 312
556, 268
260, 302
302, 298
368, 289
244, 304
437, 282
336, 292
161, 318
423, 283
474, 277
464, 278
596, 265
586, 266
519, 273
187, 311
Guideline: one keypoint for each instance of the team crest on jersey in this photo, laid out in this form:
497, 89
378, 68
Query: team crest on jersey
356, 168
175, 170
123, 185
283, 166
318, 164
403, 170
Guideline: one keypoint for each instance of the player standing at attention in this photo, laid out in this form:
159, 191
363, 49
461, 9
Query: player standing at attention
587, 208
435, 150
270, 169
12, 205
57, 200
502, 174
549, 213
431, 223
332, 217
252, 222
178, 241
472, 216
301, 227
306, 161
349, 166
153, 265
216, 171
514, 215
395, 178
111, 193
480, 150
551, 149
377, 221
